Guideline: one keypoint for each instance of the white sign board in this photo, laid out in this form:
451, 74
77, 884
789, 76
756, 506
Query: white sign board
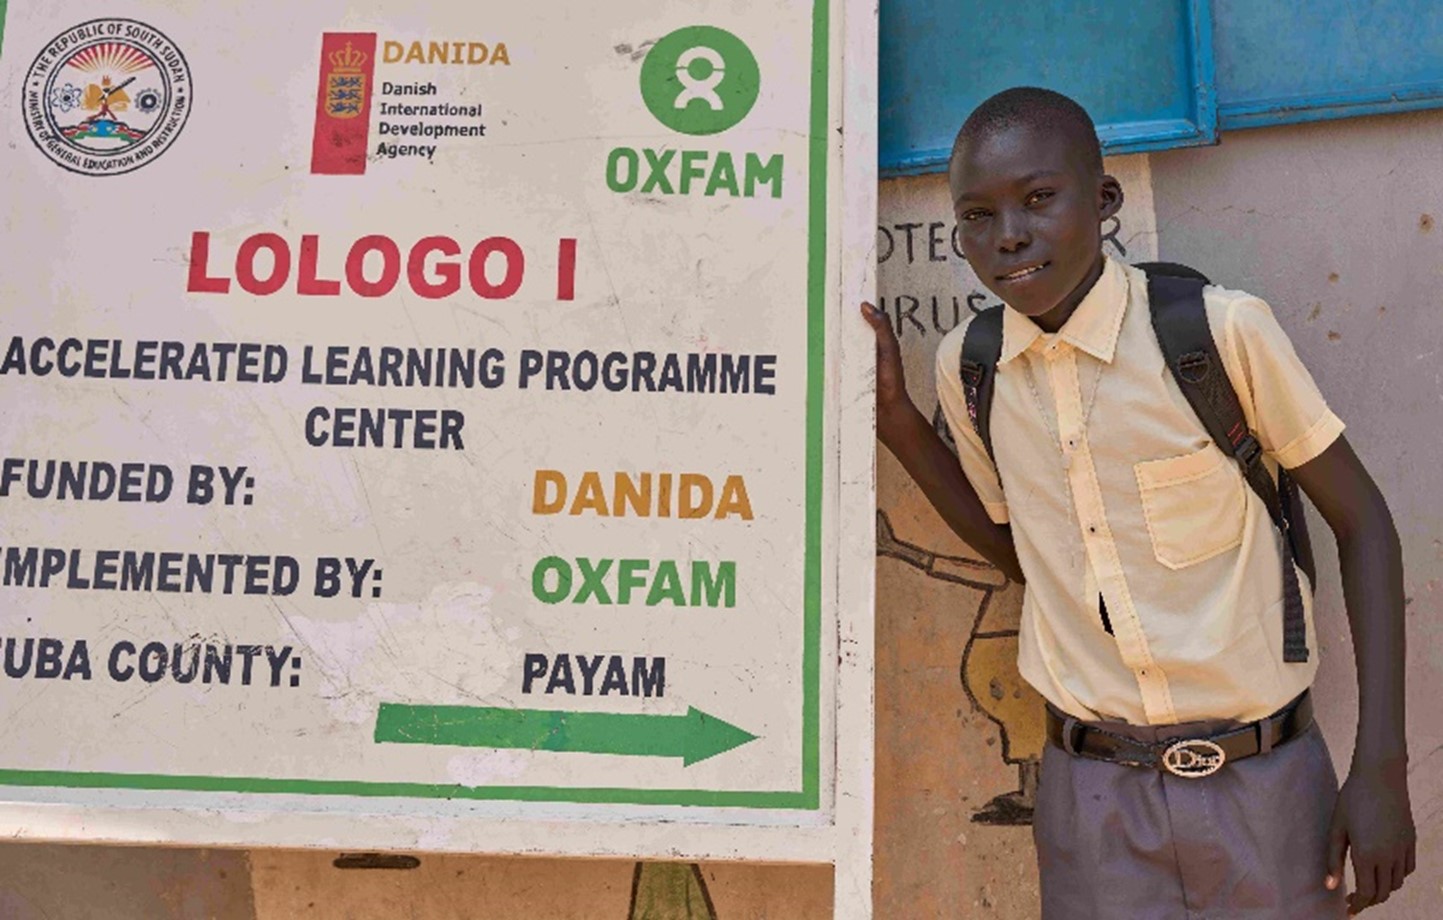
427, 412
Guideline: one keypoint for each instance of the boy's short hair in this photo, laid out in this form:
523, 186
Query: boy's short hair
1032, 106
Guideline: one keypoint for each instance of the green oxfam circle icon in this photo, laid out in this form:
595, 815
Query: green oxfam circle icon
700, 80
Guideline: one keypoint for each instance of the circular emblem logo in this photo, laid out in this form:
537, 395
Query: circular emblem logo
107, 96
1194, 759
700, 80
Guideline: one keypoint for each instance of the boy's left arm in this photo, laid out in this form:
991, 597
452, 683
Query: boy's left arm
1373, 816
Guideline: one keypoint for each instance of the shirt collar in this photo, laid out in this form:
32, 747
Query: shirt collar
1093, 326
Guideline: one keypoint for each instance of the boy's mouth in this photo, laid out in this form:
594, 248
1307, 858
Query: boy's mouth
1026, 271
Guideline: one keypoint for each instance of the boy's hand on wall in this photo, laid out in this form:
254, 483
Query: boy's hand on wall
1374, 820
914, 441
893, 403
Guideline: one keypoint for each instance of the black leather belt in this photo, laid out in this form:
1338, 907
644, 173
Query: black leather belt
1187, 757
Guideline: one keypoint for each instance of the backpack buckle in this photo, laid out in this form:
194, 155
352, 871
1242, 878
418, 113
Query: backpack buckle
1248, 450
971, 373
1194, 366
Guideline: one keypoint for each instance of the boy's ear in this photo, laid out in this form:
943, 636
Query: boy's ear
1109, 197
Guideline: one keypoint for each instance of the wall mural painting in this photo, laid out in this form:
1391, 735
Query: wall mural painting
669, 891
988, 669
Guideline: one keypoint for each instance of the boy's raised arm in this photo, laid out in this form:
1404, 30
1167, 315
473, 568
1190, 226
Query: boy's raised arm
912, 439
1373, 817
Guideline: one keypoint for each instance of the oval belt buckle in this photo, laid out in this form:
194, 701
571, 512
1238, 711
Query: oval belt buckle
1193, 759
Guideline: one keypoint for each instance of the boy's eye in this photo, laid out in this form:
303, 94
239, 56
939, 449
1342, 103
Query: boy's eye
1039, 196
975, 214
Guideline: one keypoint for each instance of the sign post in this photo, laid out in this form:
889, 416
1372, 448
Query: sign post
436, 431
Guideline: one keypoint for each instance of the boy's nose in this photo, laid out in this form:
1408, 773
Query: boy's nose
1013, 233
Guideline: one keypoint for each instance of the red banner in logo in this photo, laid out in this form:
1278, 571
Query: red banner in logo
343, 103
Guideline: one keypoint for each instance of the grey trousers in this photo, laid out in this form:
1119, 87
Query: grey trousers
1125, 843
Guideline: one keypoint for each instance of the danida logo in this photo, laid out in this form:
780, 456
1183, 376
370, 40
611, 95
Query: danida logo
343, 103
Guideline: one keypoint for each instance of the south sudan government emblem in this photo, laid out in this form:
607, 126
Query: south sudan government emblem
107, 96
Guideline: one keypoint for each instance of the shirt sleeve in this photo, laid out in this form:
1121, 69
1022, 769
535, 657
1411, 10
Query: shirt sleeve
1282, 402
976, 465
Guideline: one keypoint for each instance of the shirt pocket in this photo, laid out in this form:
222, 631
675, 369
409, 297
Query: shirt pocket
1194, 505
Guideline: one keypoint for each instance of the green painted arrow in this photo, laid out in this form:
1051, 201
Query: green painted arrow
693, 737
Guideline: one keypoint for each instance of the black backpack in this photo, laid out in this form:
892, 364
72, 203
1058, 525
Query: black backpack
1175, 293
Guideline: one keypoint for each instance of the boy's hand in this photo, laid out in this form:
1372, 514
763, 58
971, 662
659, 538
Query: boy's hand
1374, 820
1373, 817
893, 403
914, 441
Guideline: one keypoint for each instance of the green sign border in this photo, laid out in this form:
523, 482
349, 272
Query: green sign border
809, 796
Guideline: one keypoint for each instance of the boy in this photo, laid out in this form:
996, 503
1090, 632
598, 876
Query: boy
1153, 610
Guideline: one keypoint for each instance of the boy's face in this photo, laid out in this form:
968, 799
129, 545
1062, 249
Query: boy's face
1030, 211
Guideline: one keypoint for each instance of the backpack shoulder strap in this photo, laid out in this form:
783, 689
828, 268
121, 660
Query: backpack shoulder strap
1179, 318
981, 349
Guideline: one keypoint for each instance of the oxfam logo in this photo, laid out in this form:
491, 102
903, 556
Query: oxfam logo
700, 80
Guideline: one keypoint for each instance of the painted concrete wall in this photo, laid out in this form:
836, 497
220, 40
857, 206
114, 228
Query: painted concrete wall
1334, 224
52, 882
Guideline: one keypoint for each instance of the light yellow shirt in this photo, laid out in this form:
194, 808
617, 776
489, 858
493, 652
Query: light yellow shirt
1115, 490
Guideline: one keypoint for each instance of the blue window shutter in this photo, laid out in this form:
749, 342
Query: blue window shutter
1144, 70
1288, 62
